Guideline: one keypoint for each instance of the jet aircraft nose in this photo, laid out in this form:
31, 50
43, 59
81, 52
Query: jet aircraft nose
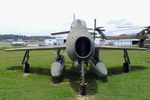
83, 47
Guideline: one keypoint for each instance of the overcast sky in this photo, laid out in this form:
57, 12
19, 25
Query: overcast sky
41, 17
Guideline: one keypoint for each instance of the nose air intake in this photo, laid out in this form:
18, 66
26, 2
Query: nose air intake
83, 47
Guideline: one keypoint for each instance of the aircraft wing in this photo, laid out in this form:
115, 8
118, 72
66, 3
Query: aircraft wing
131, 36
119, 48
59, 33
37, 48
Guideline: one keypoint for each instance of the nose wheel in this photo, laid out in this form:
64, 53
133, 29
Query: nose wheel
83, 86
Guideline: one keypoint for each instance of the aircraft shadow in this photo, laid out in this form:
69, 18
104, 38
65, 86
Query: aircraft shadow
89, 73
73, 75
37, 70
119, 70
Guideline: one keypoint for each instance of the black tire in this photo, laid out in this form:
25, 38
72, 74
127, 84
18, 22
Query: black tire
83, 91
56, 80
126, 67
26, 68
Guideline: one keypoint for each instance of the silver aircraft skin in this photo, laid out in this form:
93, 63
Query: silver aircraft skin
81, 49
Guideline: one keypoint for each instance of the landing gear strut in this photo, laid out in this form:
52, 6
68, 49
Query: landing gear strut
57, 68
126, 64
26, 66
83, 84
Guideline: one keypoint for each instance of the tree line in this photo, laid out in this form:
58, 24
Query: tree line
22, 37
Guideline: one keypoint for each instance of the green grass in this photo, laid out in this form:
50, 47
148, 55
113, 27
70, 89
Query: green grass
14, 85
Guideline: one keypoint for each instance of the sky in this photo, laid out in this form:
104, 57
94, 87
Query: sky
42, 17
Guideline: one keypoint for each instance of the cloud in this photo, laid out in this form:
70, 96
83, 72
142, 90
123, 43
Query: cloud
121, 26
46, 16
120, 22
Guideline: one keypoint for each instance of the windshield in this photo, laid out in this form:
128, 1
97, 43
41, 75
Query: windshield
78, 23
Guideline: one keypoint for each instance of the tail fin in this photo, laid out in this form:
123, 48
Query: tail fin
74, 16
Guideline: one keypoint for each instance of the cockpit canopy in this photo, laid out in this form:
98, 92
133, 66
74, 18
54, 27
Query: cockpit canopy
78, 23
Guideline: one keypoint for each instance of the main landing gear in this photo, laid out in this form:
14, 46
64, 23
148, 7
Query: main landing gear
126, 64
26, 66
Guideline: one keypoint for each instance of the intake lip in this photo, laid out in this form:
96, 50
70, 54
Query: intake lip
83, 47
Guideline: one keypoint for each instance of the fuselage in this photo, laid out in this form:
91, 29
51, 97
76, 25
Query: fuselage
80, 43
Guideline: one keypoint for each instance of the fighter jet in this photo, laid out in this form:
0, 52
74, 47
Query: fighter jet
81, 49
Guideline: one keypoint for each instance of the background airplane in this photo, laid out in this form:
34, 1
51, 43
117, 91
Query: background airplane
81, 49
143, 36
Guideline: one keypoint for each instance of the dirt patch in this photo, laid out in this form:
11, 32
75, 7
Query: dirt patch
25, 74
79, 97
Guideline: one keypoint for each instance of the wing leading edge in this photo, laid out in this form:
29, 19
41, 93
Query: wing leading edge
120, 48
37, 48
59, 33
63, 47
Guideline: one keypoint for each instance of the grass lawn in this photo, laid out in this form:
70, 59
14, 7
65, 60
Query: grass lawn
15, 85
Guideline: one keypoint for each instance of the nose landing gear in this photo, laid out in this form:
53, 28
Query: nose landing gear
83, 83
